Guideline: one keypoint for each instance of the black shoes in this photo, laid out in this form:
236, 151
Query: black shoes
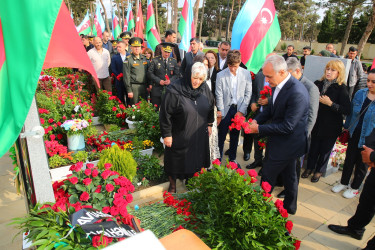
306, 173
346, 230
246, 156
316, 177
227, 152
281, 194
255, 164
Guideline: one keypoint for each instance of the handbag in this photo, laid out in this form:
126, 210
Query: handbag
344, 137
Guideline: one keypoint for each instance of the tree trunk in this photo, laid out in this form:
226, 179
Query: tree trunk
105, 16
92, 18
201, 22
368, 31
166, 26
230, 18
348, 28
239, 6
196, 13
175, 18
157, 16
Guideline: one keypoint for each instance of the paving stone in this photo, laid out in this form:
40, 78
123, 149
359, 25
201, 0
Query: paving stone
309, 243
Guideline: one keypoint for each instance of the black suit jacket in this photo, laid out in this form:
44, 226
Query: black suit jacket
213, 80
287, 130
176, 52
226, 64
117, 66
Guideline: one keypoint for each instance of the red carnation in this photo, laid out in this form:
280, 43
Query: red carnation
42, 121
73, 116
297, 244
64, 117
107, 166
100, 240
216, 162
52, 137
109, 188
59, 136
98, 189
283, 212
84, 196
87, 172
106, 210
95, 173
87, 181
114, 109
289, 226
240, 172
114, 211
50, 120
266, 186
252, 173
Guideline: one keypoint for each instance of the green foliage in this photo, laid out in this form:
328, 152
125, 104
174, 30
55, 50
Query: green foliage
109, 110
122, 161
80, 156
233, 214
47, 228
90, 131
148, 167
312, 52
57, 161
58, 72
93, 156
149, 129
283, 46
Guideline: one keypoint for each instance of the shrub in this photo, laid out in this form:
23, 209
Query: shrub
283, 46
148, 166
80, 156
109, 109
231, 213
312, 52
122, 161
57, 161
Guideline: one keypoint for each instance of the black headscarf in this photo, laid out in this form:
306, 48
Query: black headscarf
184, 87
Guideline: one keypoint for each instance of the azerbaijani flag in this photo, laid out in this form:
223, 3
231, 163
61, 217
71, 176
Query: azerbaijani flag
130, 17
186, 25
52, 41
85, 27
116, 30
152, 35
139, 24
99, 25
256, 32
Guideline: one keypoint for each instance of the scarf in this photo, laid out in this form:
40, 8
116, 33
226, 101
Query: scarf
326, 85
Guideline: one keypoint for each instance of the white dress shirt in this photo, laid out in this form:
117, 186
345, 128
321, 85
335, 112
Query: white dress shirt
222, 62
234, 82
123, 57
100, 61
279, 87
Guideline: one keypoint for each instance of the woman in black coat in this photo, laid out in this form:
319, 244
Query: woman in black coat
186, 117
213, 69
334, 103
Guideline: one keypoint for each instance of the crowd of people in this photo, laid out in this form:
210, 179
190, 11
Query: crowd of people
199, 96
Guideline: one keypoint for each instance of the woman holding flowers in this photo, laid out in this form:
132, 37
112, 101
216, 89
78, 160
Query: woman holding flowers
186, 117
360, 123
334, 103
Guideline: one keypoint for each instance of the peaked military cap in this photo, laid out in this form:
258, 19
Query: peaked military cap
126, 35
136, 42
167, 47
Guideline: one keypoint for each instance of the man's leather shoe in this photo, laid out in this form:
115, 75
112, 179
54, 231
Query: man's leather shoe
246, 156
254, 165
345, 230
281, 194
227, 152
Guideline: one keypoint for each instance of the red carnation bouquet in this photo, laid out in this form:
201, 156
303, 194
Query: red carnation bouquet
264, 94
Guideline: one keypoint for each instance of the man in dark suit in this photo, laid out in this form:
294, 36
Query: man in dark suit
107, 44
188, 60
117, 64
170, 37
162, 71
366, 207
287, 132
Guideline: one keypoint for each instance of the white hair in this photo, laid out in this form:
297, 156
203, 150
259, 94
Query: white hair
278, 63
293, 64
200, 69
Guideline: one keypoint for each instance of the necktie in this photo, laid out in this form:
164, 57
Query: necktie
165, 64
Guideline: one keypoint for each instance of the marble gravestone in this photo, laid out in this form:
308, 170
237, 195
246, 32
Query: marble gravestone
315, 65
314, 70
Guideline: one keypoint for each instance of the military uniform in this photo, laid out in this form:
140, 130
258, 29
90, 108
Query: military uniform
135, 76
158, 71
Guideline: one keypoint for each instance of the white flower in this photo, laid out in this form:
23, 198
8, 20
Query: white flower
133, 117
139, 183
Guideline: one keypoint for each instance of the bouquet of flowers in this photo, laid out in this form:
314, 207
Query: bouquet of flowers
75, 126
338, 154
264, 94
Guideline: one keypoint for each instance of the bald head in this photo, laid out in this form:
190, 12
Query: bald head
271, 54
98, 43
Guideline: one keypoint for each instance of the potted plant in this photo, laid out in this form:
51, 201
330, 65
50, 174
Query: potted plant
75, 129
144, 147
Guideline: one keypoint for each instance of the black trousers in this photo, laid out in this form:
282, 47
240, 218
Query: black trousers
366, 207
233, 134
354, 158
248, 141
287, 169
320, 150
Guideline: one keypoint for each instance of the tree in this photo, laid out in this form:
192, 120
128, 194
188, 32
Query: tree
201, 21
105, 17
368, 30
196, 13
326, 29
230, 19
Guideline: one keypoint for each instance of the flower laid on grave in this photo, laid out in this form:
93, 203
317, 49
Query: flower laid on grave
91, 202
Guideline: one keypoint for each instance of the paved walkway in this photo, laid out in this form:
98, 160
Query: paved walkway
317, 207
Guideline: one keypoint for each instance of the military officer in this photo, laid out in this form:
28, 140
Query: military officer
162, 71
114, 45
125, 36
135, 72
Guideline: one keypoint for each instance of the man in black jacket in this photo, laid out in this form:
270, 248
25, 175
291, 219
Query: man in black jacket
366, 207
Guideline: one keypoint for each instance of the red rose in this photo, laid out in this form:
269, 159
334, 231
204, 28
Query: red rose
114, 109
289, 226
73, 180
52, 137
80, 115
266, 186
50, 128
240, 172
78, 166
84, 196
42, 121
283, 212
252, 173
95, 173
216, 162
64, 117
114, 211
253, 180
279, 204
106, 210
118, 115
107, 166
109, 188
59, 136
196, 174
129, 198
297, 244
87, 181
87, 172
50, 120
62, 102
73, 116
89, 165
99, 240
98, 189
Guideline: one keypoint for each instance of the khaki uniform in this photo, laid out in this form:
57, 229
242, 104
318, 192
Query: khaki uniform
135, 77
